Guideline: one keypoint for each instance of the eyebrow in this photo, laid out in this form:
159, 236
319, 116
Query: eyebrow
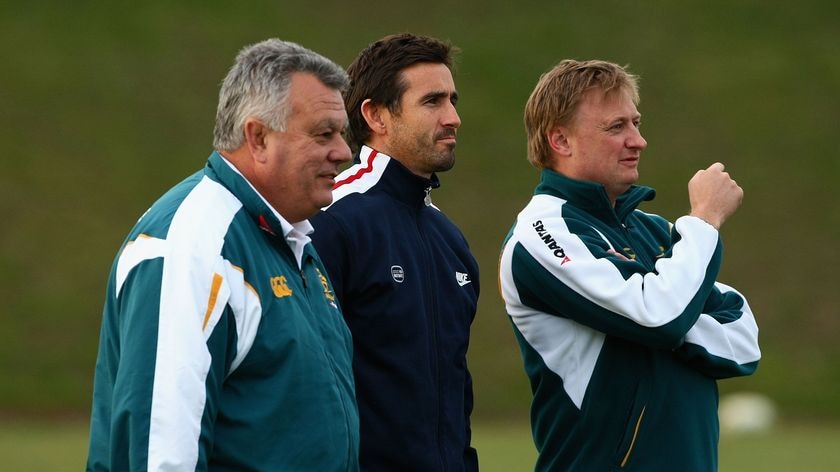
329, 124
438, 94
617, 118
333, 122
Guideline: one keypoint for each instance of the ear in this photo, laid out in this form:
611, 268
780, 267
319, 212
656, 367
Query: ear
256, 133
373, 115
558, 140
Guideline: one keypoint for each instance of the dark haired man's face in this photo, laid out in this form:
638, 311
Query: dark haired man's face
423, 135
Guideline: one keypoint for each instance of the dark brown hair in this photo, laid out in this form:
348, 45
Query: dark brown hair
376, 74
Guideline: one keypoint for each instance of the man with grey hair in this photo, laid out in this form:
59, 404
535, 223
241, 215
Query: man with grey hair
222, 346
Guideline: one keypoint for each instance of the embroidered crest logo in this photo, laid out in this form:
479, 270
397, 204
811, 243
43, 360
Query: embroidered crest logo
630, 253
398, 274
661, 252
279, 287
328, 293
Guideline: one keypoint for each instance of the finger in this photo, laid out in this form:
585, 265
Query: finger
717, 166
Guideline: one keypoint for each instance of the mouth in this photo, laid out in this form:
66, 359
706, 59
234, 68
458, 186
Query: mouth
330, 176
448, 141
447, 137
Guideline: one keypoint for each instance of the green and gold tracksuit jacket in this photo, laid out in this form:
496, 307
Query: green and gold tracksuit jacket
222, 346
623, 330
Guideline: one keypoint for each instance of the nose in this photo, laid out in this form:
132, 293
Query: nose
341, 153
636, 140
451, 118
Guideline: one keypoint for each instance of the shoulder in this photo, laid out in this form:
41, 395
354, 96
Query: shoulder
546, 213
354, 208
196, 202
354, 219
362, 176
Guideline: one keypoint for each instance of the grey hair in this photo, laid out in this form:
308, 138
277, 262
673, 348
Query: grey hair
257, 85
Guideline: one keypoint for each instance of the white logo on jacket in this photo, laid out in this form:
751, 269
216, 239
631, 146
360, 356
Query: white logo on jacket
397, 273
462, 278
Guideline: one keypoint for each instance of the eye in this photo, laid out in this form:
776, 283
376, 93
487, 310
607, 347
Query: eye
326, 135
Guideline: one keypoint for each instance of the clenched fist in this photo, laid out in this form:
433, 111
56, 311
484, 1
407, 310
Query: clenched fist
713, 195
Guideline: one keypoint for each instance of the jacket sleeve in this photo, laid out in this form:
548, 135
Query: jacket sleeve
724, 341
171, 329
553, 266
470, 454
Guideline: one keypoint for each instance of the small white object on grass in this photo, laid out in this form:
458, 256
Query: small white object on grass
746, 412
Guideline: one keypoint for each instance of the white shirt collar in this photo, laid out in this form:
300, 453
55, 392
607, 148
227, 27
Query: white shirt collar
296, 234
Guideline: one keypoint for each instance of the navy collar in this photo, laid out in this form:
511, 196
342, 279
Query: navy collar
404, 185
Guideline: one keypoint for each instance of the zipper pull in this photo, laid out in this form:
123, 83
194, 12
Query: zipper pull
428, 198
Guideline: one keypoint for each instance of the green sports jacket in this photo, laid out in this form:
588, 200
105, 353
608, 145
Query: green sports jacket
218, 351
623, 330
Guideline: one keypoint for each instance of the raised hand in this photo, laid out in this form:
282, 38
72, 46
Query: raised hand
713, 195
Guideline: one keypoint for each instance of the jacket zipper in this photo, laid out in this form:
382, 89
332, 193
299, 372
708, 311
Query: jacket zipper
307, 262
434, 323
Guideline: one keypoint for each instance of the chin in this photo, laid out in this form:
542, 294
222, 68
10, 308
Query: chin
445, 162
325, 201
632, 178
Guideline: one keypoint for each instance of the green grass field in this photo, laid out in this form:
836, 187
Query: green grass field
105, 105
57, 447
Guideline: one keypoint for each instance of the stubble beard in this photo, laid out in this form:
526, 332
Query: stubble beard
425, 150
442, 155
441, 160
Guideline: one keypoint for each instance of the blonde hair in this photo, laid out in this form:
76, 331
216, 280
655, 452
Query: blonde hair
557, 94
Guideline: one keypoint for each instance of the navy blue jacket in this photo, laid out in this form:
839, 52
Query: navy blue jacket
408, 288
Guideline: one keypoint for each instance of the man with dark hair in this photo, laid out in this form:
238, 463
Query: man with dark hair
402, 272
622, 325
222, 346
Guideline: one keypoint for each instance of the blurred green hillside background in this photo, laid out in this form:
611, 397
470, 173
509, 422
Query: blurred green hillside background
105, 105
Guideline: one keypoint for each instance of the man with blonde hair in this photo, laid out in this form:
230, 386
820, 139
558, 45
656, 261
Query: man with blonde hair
622, 326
